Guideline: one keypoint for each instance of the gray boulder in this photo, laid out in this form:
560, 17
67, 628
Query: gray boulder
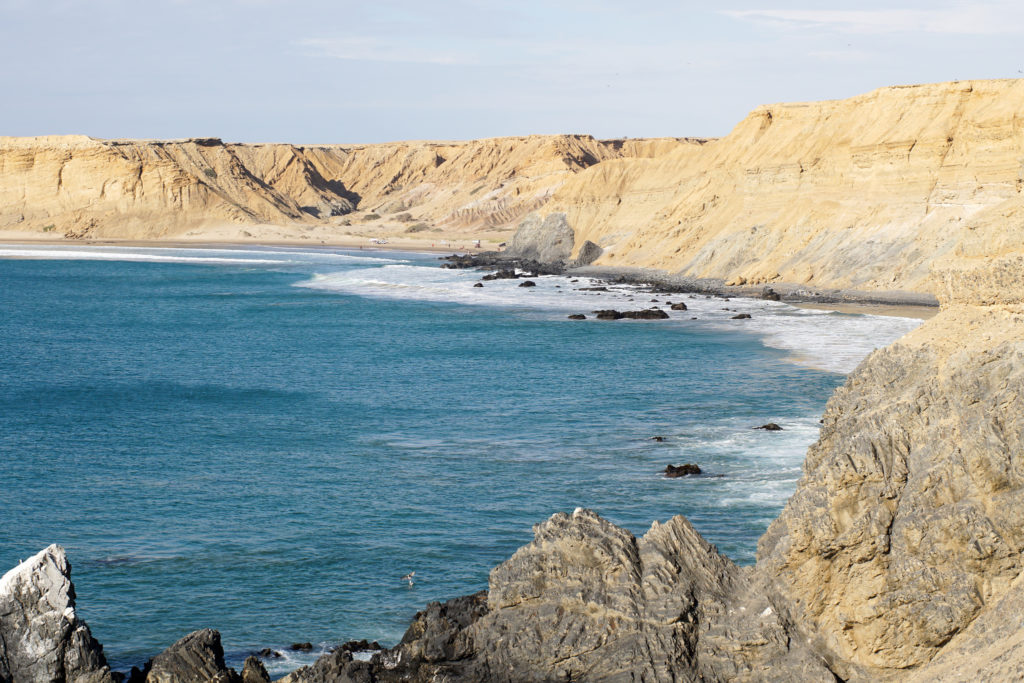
549, 240
41, 637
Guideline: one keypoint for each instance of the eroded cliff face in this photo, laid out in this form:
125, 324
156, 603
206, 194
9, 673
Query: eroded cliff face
863, 193
75, 186
908, 525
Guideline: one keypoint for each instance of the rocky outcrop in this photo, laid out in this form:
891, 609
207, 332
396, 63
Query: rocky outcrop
587, 601
908, 527
196, 658
41, 637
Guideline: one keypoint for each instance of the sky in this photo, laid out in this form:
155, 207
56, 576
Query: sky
322, 71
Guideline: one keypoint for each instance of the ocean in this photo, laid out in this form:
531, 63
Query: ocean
264, 440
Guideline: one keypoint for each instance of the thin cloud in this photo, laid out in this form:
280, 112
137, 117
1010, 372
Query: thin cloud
960, 19
366, 49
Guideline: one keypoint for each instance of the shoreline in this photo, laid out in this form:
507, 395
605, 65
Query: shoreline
896, 303
789, 293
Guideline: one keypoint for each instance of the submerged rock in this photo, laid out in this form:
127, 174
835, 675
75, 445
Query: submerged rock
528, 283
503, 274
478, 284
770, 427
678, 306
646, 314
41, 637
741, 316
674, 471
577, 316
607, 314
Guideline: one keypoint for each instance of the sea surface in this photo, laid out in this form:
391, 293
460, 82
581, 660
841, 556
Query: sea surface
265, 440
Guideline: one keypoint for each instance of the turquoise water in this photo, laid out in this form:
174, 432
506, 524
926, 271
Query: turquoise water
264, 441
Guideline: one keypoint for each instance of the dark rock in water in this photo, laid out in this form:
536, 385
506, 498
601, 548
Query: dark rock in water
360, 646
654, 301
646, 314
267, 653
689, 469
573, 280
478, 284
679, 306
198, 656
302, 647
41, 636
608, 314
593, 289
577, 316
253, 671
770, 427
436, 646
741, 316
770, 294
659, 439
528, 283
504, 274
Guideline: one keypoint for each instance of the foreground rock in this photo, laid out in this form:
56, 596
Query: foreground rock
198, 656
909, 522
586, 601
41, 637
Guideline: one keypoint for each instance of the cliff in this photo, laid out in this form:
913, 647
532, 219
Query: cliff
79, 187
865, 193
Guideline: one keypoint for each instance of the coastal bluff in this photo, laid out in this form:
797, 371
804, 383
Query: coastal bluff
79, 188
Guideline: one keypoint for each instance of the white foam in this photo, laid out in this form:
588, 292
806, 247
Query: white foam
825, 340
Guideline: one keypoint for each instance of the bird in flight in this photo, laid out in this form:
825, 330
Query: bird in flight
408, 577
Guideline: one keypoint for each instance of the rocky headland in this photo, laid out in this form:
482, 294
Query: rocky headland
899, 556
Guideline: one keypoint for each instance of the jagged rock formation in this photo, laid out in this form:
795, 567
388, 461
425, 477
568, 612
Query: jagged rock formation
907, 527
863, 193
41, 637
198, 657
80, 187
587, 601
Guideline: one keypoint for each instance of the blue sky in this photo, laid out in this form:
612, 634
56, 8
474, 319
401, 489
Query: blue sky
314, 71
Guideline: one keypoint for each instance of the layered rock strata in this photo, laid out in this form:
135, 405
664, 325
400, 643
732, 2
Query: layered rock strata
864, 193
80, 187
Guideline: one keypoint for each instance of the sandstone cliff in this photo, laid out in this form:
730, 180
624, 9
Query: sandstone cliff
80, 187
864, 193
